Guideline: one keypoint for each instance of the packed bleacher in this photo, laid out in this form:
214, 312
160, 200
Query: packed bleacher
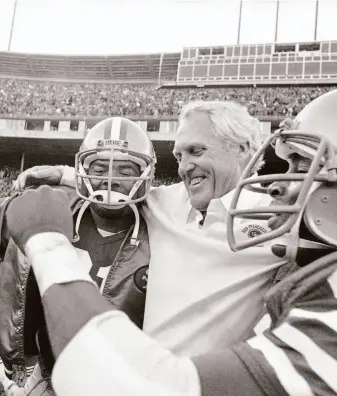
7, 176
29, 98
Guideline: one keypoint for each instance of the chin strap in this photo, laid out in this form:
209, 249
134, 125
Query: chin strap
118, 197
109, 197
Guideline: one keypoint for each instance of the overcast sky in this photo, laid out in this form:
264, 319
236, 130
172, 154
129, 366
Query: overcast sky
145, 26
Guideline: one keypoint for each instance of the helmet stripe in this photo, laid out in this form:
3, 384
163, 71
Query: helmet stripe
115, 128
123, 131
107, 129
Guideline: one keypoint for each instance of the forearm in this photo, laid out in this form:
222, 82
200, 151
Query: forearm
62, 282
115, 355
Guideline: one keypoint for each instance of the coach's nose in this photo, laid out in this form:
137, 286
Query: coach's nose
186, 166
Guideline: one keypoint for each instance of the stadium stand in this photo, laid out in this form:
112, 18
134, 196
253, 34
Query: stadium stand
7, 176
273, 80
149, 68
26, 98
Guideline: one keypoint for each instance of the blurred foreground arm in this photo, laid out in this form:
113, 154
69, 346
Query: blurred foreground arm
92, 341
97, 350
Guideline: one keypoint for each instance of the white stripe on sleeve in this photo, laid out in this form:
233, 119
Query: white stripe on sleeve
291, 380
318, 360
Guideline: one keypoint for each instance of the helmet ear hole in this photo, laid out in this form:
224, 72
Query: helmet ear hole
319, 213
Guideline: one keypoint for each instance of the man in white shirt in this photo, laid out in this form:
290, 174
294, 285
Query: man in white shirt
195, 280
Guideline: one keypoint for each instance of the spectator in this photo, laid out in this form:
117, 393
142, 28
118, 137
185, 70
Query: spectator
27, 98
7, 176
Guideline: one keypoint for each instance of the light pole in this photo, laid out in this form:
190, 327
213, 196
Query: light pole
12, 27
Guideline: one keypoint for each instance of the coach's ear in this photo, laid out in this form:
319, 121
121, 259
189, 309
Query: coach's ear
244, 149
38, 175
244, 154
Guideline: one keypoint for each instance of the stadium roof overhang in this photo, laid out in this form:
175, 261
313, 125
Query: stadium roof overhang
67, 147
39, 146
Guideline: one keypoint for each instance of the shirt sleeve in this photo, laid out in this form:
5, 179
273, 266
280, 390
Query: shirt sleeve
116, 357
68, 176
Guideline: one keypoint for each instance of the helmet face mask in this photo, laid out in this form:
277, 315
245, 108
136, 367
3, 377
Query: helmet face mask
109, 198
104, 143
293, 210
315, 188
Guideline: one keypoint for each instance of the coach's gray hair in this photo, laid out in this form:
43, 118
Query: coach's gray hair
231, 123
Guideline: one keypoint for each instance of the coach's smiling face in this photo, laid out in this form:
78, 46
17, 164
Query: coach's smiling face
208, 168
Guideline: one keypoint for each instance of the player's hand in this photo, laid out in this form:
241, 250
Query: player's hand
304, 256
39, 211
44, 174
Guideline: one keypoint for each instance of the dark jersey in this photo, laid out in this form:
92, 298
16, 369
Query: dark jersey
119, 269
97, 252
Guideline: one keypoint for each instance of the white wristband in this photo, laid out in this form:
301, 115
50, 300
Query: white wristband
54, 260
68, 176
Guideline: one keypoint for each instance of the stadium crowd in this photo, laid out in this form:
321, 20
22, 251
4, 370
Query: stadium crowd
27, 98
7, 176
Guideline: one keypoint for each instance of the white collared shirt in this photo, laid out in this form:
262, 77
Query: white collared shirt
200, 295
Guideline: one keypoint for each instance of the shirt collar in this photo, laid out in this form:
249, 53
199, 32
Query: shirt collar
248, 199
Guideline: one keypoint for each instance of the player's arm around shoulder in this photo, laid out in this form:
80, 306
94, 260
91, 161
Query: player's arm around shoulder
46, 174
168, 196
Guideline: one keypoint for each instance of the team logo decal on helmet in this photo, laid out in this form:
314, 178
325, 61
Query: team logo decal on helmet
112, 143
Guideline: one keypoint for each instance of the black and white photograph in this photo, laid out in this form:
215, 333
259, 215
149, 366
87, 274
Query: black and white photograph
168, 197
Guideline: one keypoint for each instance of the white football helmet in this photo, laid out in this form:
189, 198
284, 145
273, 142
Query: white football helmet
313, 135
115, 139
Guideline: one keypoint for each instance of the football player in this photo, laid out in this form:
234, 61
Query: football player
114, 171
295, 355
